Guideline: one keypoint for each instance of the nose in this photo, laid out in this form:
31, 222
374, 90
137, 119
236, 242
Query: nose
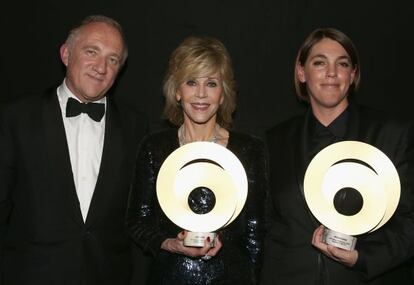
331, 70
201, 91
100, 66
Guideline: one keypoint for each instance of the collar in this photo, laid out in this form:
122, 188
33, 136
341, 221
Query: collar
64, 94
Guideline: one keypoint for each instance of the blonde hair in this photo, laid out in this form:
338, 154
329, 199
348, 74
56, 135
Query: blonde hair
195, 57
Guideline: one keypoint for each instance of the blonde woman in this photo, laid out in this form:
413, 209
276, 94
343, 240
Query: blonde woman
200, 98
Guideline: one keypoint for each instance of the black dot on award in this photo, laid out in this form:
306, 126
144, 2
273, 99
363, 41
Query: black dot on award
348, 201
201, 200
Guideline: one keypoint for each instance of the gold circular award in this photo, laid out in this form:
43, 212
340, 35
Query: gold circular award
202, 164
362, 168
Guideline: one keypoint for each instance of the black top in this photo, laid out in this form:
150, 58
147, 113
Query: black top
289, 257
239, 259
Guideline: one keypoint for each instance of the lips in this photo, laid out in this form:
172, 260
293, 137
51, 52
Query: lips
97, 78
330, 85
200, 106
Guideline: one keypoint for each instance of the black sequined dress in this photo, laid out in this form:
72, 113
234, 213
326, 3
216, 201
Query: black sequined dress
239, 260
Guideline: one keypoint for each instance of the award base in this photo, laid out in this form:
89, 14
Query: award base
338, 239
196, 239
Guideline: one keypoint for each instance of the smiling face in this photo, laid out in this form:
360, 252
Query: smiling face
93, 59
200, 98
328, 73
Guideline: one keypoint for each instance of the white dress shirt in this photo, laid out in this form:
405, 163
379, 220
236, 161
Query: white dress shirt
85, 138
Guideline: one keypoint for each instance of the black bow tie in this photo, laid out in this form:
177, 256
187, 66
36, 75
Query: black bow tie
94, 110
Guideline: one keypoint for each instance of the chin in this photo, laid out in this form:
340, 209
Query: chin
200, 121
94, 97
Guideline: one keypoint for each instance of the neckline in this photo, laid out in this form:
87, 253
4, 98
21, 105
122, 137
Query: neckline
229, 140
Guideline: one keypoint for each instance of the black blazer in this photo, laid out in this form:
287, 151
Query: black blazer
289, 255
43, 238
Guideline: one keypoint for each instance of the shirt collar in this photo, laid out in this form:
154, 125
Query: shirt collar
64, 94
337, 127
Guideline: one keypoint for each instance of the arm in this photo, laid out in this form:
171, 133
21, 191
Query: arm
255, 205
395, 240
142, 214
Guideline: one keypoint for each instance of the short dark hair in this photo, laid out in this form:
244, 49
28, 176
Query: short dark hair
315, 37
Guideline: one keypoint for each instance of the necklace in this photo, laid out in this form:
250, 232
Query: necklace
182, 140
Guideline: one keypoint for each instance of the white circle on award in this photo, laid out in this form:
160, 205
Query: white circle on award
357, 170
208, 166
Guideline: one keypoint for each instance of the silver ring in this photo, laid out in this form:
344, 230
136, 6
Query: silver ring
206, 257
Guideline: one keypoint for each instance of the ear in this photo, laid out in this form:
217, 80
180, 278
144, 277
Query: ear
221, 99
178, 96
300, 73
64, 54
353, 72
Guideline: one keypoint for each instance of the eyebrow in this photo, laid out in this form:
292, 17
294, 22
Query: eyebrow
97, 48
208, 77
91, 46
324, 56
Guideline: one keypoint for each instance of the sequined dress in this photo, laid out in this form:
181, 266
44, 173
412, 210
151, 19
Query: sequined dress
239, 260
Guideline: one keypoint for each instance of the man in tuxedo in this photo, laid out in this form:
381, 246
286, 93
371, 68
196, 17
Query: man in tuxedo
65, 168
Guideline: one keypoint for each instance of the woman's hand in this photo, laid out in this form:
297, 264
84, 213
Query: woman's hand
176, 245
346, 257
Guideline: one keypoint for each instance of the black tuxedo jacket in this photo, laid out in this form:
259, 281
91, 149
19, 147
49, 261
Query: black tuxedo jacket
43, 238
289, 255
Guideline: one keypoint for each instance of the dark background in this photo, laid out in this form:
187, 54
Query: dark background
262, 37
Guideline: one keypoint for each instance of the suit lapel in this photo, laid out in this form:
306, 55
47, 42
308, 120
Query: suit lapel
111, 162
57, 151
353, 125
301, 160
301, 152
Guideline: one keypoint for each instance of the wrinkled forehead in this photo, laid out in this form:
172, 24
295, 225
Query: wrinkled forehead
101, 34
201, 72
100, 31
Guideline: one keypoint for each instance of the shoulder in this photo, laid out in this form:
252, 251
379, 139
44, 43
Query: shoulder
23, 102
285, 127
127, 112
250, 150
164, 134
156, 146
248, 147
29, 105
245, 139
160, 138
133, 122
382, 119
